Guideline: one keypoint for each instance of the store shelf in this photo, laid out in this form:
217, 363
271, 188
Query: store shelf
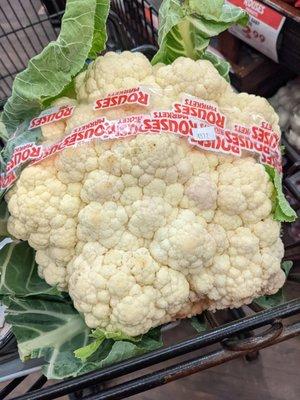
287, 46
284, 8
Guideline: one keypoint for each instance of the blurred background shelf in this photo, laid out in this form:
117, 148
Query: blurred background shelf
285, 8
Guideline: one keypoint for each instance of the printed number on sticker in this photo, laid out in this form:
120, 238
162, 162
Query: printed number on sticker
206, 133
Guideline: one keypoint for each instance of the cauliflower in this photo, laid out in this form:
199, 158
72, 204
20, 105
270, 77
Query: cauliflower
148, 229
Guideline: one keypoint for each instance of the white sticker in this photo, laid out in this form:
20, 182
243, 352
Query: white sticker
263, 28
205, 133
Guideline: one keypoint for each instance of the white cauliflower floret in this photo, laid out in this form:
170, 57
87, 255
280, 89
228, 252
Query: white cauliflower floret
200, 193
52, 265
73, 163
44, 212
104, 223
247, 109
184, 245
125, 291
148, 229
267, 231
149, 153
148, 215
244, 190
196, 78
100, 186
111, 73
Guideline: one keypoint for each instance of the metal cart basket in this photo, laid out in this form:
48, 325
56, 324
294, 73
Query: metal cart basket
26, 27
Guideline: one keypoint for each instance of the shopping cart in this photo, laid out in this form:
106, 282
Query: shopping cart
140, 18
26, 27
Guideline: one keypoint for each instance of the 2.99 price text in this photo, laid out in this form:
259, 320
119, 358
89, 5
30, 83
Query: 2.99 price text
253, 34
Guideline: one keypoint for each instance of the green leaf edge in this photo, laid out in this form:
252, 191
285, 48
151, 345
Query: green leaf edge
282, 211
95, 35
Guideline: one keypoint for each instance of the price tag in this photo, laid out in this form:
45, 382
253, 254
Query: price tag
205, 133
263, 28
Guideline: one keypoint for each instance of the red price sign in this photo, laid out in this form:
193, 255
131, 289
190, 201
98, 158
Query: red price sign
263, 28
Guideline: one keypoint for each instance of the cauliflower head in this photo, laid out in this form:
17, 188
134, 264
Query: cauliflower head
148, 229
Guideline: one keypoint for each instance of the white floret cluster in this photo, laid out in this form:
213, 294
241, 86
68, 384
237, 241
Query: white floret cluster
145, 230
